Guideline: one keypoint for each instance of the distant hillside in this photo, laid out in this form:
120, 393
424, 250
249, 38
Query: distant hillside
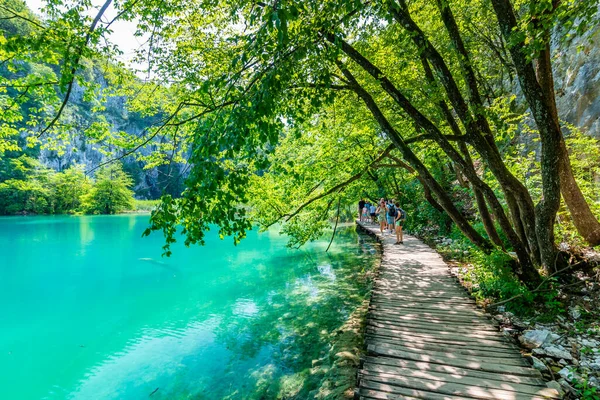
82, 112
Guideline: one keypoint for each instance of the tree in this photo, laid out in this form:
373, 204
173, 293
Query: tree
69, 187
110, 193
25, 186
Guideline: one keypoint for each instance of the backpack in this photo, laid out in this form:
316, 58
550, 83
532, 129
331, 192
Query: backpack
392, 212
402, 214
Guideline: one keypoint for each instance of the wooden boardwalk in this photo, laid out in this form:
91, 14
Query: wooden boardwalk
426, 339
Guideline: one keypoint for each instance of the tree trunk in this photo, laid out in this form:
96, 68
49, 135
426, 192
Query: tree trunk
585, 221
426, 189
484, 213
550, 136
477, 133
443, 198
486, 218
429, 127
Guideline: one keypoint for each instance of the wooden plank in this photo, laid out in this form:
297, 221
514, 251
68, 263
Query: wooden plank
427, 301
454, 349
379, 391
369, 394
371, 331
466, 319
419, 295
432, 290
427, 340
384, 364
424, 323
416, 278
435, 333
431, 324
430, 309
385, 291
419, 277
496, 366
391, 350
377, 394
441, 304
540, 389
416, 340
393, 280
435, 307
482, 325
465, 300
402, 314
455, 389
400, 309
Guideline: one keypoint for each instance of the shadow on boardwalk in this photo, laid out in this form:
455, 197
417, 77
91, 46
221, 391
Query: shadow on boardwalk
426, 339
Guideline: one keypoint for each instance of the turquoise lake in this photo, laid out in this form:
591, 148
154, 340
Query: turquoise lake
90, 310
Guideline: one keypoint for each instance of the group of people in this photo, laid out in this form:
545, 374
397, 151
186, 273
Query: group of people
387, 213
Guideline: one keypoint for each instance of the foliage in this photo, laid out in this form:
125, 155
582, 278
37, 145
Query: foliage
102, 109
111, 193
584, 153
289, 112
145, 205
26, 187
69, 187
492, 278
585, 390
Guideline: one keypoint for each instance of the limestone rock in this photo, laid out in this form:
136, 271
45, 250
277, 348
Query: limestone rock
565, 385
557, 352
539, 364
534, 339
590, 343
568, 374
555, 385
575, 312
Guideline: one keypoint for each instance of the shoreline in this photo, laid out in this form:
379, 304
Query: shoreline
140, 212
348, 344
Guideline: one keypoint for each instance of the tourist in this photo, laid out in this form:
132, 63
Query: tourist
361, 205
399, 220
391, 216
381, 211
373, 213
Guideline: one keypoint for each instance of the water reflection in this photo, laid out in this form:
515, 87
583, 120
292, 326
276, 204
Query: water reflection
327, 271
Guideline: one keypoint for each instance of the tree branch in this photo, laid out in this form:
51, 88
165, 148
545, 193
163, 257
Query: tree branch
337, 219
341, 185
76, 66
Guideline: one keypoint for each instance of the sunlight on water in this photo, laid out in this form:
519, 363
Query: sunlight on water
90, 310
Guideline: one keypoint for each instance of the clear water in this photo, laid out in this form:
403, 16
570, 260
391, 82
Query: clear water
90, 310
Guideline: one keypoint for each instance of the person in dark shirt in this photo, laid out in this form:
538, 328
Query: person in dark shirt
361, 205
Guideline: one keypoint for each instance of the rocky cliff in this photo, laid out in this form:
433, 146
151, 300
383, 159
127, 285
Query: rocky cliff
577, 80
